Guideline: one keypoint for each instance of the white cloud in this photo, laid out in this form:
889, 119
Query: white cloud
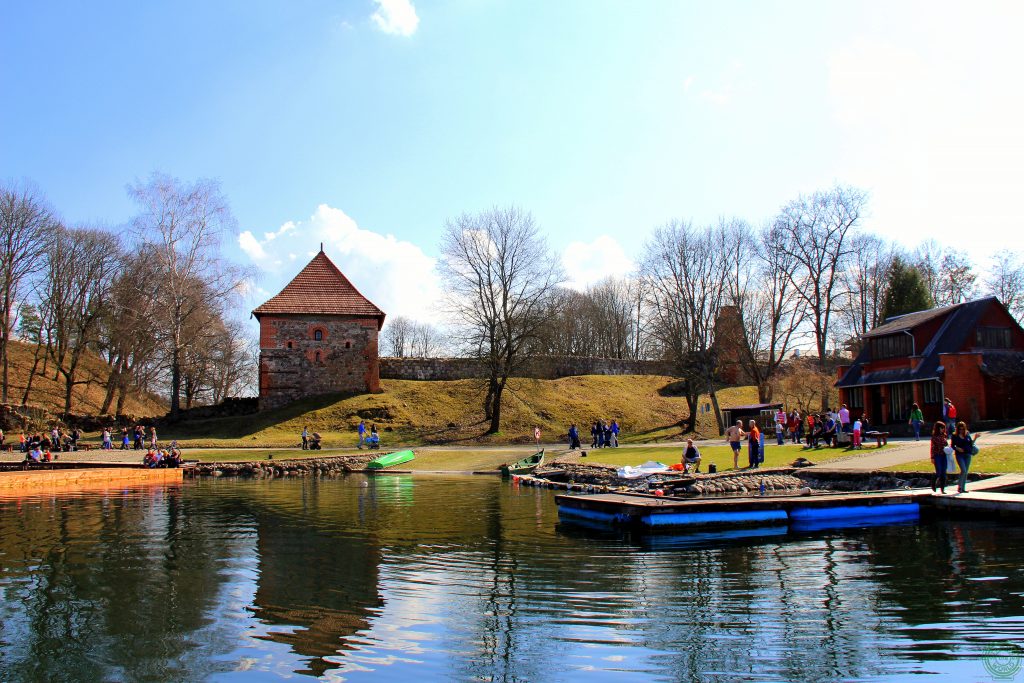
587, 263
395, 275
396, 17
931, 127
251, 246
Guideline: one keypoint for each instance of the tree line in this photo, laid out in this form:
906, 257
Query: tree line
808, 278
151, 298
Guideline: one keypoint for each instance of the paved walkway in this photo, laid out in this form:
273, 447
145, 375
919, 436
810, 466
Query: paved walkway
903, 451
899, 452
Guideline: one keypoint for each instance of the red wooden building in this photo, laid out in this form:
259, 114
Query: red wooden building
971, 353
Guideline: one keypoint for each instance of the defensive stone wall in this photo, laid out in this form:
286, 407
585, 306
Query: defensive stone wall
537, 367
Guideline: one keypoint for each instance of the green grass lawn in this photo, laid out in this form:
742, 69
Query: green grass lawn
1001, 458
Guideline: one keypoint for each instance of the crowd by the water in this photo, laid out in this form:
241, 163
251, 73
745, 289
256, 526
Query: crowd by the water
43, 447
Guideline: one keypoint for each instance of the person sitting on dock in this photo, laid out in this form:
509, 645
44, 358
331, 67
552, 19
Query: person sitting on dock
34, 455
691, 456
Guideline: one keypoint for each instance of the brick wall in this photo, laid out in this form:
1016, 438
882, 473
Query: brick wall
964, 384
295, 364
537, 367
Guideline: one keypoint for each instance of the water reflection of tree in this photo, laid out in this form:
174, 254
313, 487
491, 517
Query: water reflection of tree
108, 587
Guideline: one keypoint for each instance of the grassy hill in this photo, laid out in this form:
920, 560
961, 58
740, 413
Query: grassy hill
87, 399
414, 413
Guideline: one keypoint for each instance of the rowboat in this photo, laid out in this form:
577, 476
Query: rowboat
524, 466
390, 460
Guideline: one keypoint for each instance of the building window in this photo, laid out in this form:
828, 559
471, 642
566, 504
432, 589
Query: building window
348, 345
855, 397
316, 356
931, 392
900, 398
318, 335
995, 337
892, 346
289, 345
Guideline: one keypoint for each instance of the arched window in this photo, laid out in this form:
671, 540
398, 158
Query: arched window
289, 345
348, 345
317, 356
318, 335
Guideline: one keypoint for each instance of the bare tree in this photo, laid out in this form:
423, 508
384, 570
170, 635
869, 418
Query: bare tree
865, 280
81, 268
927, 258
25, 219
770, 305
1005, 281
957, 278
396, 336
426, 341
814, 231
127, 337
499, 274
179, 229
685, 271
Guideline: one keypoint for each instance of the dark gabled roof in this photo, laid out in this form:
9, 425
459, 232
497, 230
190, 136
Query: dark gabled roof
320, 289
951, 337
909, 321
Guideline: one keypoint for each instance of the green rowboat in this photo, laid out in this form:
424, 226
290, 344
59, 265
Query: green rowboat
390, 460
524, 466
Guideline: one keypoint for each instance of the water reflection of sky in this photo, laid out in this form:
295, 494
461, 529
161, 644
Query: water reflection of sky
397, 578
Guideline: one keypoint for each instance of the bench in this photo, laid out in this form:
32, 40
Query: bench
881, 438
85, 446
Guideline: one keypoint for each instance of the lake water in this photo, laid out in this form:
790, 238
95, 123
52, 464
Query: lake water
398, 578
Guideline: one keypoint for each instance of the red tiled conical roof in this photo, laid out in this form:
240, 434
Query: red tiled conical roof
320, 289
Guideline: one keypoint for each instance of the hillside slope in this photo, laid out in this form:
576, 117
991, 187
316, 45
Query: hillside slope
87, 399
443, 412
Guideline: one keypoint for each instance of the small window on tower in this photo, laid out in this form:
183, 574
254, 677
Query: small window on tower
289, 345
317, 356
348, 345
318, 335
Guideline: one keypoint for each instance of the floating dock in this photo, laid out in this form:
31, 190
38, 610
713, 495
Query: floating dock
653, 513
61, 479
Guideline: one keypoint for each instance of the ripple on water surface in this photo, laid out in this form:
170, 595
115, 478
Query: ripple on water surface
463, 578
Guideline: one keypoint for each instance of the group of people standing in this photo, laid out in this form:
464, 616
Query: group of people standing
135, 439
948, 449
603, 434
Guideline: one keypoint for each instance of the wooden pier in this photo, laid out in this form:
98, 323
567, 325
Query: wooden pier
648, 512
71, 479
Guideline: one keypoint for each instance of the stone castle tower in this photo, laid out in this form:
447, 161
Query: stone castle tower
317, 336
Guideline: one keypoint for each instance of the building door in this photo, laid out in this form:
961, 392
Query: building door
876, 404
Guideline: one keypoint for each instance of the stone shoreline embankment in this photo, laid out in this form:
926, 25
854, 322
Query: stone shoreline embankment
304, 467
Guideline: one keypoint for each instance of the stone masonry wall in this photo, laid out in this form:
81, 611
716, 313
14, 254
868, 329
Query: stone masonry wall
295, 364
537, 367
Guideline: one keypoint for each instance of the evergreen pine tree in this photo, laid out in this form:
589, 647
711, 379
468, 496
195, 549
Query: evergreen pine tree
907, 291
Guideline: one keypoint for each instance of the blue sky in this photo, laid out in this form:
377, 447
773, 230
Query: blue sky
366, 124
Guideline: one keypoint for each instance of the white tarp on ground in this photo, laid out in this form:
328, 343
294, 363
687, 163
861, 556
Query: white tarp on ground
649, 467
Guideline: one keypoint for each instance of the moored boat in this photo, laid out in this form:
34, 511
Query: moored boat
390, 460
524, 466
